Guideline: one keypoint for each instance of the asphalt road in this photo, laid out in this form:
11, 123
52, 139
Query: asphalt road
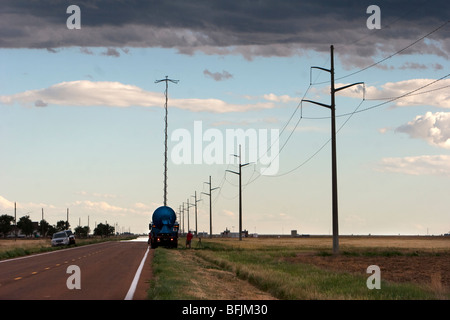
105, 272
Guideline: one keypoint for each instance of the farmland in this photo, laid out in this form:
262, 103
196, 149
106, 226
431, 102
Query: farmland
11, 248
304, 268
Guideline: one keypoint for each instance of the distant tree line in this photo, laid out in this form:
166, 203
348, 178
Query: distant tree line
45, 229
104, 230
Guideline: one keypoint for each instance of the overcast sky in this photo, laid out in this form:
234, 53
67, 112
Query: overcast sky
82, 119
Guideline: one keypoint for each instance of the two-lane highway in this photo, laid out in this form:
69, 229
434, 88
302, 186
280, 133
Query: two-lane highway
106, 272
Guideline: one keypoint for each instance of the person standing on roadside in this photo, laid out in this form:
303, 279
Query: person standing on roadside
189, 237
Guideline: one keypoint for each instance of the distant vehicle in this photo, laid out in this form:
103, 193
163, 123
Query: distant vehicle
163, 228
63, 238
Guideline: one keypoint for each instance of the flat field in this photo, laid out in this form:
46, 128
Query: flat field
304, 268
12, 248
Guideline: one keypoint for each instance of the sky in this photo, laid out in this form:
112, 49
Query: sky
82, 114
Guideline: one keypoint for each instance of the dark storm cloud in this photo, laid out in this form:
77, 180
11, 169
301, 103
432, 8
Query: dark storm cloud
249, 28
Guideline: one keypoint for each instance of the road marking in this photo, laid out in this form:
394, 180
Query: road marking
133, 286
35, 272
18, 278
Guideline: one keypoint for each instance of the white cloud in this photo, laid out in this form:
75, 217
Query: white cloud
100, 206
97, 194
283, 98
228, 213
419, 165
431, 127
5, 203
432, 97
108, 208
116, 94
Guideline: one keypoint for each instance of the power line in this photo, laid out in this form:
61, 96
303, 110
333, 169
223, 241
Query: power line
392, 55
409, 95
353, 73
385, 102
299, 107
349, 116
386, 25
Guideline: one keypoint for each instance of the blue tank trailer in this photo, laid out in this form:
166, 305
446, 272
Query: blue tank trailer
163, 228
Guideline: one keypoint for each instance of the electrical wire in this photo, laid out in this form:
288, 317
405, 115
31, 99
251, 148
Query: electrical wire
299, 106
390, 56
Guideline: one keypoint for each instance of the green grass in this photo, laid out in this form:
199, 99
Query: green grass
171, 276
29, 247
286, 280
268, 269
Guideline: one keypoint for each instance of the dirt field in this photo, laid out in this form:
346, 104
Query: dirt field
433, 271
22, 243
423, 260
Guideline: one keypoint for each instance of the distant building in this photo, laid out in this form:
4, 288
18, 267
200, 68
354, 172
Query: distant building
17, 232
228, 234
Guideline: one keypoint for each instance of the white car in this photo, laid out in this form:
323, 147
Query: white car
63, 238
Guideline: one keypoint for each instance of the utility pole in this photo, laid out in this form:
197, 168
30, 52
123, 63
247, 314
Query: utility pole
240, 190
210, 205
166, 80
183, 217
195, 197
15, 221
180, 229
188, 213
42, 231
332, 107
67, 221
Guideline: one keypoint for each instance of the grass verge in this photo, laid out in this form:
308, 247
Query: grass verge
171, 276
13, 249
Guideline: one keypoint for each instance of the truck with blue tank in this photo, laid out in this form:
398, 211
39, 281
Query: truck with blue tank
163, 228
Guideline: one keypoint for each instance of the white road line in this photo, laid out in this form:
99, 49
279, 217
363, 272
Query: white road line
134, 284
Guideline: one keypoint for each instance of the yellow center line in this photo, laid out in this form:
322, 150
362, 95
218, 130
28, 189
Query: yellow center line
18, 278
34, 272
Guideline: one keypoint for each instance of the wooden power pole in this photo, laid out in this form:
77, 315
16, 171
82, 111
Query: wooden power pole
240, 190
210, 205
332, 107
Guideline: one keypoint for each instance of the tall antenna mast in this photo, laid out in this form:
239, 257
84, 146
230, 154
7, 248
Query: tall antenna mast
165, 136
